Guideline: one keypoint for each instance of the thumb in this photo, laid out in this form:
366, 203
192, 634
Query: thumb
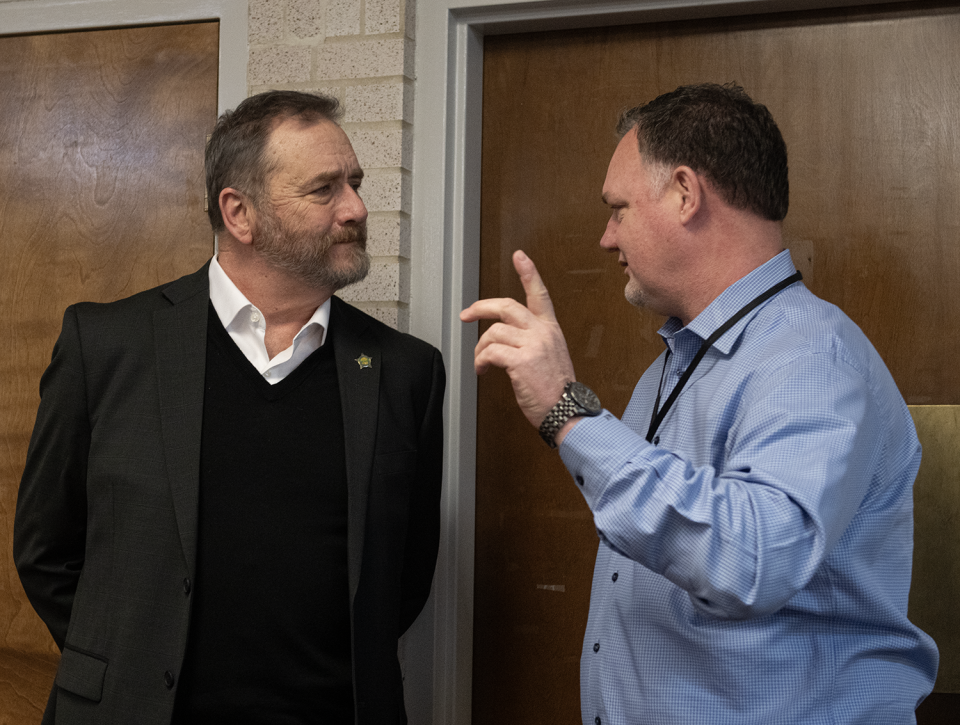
538, 298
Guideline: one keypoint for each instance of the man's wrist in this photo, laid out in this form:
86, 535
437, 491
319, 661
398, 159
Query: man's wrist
566, 428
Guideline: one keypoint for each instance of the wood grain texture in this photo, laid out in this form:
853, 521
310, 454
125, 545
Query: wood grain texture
868, 103
101, 196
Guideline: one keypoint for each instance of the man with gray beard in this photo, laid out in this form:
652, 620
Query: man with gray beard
230, 508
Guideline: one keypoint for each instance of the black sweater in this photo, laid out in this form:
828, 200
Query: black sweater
270, 626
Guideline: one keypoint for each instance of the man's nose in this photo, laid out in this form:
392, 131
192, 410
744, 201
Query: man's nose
351, 208
608, 239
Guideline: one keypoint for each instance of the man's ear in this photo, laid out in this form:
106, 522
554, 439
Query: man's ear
238, 215
689, 189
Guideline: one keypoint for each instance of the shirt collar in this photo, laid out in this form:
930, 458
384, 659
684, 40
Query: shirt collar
228, 302
729, 302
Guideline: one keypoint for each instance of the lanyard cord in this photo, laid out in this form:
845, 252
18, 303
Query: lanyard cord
660, 413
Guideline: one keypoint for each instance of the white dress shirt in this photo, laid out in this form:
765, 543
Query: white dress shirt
246, 326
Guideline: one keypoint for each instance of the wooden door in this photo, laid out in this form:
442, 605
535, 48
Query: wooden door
868, 101
101, 195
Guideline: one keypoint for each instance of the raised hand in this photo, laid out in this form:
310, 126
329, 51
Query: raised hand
527, 342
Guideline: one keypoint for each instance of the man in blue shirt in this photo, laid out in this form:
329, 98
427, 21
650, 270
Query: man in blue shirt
754, 505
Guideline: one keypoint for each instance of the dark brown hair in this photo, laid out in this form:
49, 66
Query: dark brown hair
235, 152
721, 133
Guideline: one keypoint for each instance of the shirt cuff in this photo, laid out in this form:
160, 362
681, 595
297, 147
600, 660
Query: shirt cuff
596, 449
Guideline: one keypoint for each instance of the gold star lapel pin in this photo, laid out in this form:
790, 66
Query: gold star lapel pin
364, 361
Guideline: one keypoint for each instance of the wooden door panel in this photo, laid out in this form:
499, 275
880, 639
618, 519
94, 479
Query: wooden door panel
868, 102
101, 195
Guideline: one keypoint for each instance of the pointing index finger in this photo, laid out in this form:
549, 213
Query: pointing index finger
510, 311
538, 298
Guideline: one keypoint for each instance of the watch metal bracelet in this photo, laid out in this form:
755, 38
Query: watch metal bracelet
577, 399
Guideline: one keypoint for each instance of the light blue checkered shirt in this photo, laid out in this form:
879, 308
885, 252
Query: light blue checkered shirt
754, 565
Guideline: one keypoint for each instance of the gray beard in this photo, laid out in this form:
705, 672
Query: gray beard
307, 257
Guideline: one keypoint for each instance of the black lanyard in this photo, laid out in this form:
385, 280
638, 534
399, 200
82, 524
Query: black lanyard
658, 415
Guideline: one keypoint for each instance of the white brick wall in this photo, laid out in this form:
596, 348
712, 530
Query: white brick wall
360, 51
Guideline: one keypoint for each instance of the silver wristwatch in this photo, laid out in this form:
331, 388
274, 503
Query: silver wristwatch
577, 399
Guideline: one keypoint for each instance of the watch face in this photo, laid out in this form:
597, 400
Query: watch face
585, 398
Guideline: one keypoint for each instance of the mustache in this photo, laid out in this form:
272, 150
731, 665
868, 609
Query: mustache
356, 234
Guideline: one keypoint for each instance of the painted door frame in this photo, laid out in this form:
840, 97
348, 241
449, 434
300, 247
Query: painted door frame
39, 16
446, 244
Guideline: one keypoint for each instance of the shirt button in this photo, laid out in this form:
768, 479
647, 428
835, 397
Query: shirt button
656, 440
255, 317
596, 720
615, 576
186, 586
579, 480
266, 374
168, 679
596, 647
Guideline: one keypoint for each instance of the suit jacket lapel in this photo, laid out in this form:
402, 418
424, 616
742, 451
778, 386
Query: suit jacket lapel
359, 381
181, 350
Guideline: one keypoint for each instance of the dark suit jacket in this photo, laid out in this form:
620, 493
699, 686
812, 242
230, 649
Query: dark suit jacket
106, 525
